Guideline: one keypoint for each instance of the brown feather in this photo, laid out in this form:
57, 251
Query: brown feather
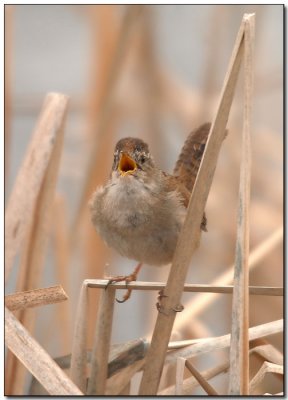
191, 154
188, 163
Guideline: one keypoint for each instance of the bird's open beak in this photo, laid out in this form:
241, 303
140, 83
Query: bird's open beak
126, 165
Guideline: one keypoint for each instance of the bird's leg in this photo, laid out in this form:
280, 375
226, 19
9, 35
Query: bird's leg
127, 278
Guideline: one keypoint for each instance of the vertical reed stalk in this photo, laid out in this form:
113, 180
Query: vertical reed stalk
78, 371
101, 347
239, 352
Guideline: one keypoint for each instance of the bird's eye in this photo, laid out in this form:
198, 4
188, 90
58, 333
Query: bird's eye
142, 159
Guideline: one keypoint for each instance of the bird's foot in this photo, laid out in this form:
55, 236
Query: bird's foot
127, 278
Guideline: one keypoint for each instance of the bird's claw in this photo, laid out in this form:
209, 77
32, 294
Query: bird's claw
125, 297
127, 278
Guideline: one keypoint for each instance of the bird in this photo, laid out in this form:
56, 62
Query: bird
141, 209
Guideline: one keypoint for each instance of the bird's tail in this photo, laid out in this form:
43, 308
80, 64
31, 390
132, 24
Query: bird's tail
188, 163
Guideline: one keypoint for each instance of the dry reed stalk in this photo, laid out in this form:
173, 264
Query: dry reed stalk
29, 209
190, 384
266, 368
239, 351
186, 246
200, 378
120, 356
9, 14
100, 352
180, 368
36, 360
78, 371
60, 237
203, 346
35, 298
23, 199
200, 346
268, 353
201, 301
193, 288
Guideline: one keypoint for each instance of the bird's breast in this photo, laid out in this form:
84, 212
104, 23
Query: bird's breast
138, 221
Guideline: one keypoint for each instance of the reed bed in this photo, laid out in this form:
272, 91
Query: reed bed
169, 358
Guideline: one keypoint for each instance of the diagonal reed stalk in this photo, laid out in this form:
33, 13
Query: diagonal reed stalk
22, 202
29, 210
186, 246
200, 378
202, 346
239, 352
36, 360
190, 384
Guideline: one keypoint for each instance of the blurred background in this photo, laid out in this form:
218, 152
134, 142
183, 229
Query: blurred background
154, 72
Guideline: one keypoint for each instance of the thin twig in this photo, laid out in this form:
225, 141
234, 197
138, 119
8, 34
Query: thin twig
200, 378
190, 384
36, 360
137, 285
35, 298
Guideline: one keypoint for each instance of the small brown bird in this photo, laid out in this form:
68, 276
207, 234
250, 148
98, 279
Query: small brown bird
141, 209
